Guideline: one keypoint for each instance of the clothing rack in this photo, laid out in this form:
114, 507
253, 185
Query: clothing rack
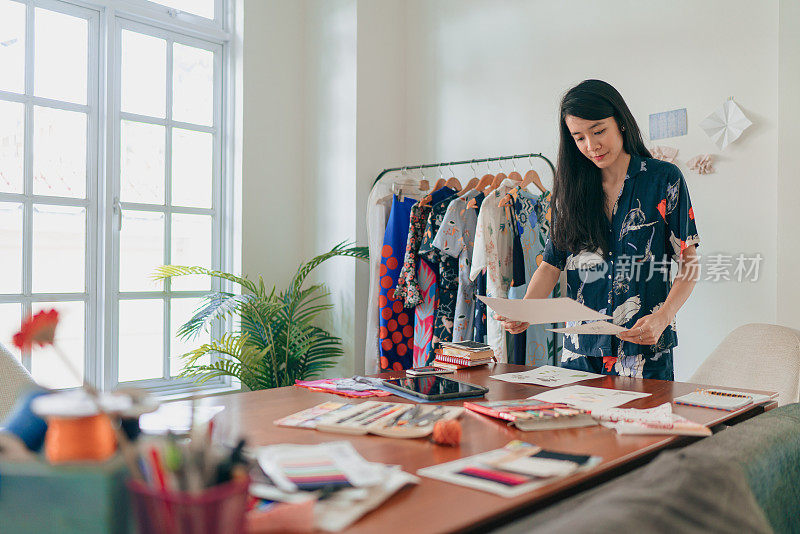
465, 162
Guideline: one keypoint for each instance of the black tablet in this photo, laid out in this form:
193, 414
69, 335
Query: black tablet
435, 387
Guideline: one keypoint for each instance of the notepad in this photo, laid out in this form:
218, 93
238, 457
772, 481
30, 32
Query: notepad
720, 399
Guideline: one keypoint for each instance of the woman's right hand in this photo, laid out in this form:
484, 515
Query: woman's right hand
512, 327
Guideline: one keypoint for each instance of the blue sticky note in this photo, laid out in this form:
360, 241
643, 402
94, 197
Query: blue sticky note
668, 124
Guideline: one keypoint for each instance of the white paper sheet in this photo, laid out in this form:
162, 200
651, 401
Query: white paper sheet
177, 417
589, 398
726, 124
542, 311
547, 375
595, 327
658, 420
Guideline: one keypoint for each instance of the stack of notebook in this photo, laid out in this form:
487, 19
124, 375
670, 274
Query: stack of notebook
463, 354
530, 414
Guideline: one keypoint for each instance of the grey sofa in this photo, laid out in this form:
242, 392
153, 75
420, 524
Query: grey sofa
745, 478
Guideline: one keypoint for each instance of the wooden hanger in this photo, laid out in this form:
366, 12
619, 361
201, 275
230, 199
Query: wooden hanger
469, 187
532, 177
514, 175
453, 182
485, 181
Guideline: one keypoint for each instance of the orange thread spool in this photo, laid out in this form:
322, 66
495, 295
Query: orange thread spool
447, 432
77, 439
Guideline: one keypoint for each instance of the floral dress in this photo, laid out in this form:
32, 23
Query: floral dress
456, 239
493, 253
447, 275
531, 218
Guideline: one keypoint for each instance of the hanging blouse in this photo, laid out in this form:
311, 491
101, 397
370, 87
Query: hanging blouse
479, 321
395, 327
493, 252
447, 274
530, 212
424, 315
408, 287
378, 208
456, 238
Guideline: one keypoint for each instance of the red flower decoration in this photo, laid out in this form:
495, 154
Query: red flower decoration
39, 329
662, 208
691, 213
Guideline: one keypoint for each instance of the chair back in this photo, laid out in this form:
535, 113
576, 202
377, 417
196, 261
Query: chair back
756, 356
14, 378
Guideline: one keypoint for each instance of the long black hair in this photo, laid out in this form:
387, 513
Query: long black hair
579, 218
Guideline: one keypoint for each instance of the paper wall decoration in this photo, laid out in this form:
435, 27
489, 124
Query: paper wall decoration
726, 124
668, 124
702, 164
664, 153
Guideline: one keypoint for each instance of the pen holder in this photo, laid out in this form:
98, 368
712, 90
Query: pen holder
217, 510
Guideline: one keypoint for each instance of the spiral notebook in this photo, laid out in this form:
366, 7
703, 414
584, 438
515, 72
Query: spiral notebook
720, 399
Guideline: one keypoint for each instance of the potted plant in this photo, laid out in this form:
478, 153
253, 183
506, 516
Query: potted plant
276, 339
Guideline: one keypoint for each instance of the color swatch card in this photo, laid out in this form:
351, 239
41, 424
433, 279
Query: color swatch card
589, 398
547, 375
308, 418
388, 419
312, 467
510, 471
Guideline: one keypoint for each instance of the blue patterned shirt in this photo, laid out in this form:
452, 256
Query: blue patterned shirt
652, 223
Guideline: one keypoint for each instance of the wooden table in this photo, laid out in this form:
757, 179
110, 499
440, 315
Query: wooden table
435, 506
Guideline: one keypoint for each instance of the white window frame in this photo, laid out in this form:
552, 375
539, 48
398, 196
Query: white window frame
106, 20
28, 199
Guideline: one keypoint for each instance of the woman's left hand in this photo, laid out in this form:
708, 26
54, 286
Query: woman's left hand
647, 330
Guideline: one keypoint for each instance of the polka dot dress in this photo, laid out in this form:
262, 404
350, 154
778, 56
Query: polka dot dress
396, 328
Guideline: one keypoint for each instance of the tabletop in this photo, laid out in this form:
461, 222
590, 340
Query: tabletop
437, 506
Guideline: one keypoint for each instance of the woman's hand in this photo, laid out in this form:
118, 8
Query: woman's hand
647, 330
512, 327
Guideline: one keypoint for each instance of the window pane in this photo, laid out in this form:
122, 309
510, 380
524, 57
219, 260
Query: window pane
10, 249
193, 85
141, 250
141, 339
144, 74
142, 162
191, 245
10, 321
59, 152
191, 168
59, 249
182, 310
60, 56
12, 46
12, 145
203, 8
46, 366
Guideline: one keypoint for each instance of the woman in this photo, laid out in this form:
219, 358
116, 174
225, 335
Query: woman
619, 218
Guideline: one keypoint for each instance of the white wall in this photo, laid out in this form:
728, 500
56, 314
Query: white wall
273, 152
788, 294
485, 78
337, 90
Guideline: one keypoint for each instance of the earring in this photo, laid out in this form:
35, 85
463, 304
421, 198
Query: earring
623, 127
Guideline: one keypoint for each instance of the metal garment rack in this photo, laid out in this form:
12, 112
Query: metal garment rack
464, 162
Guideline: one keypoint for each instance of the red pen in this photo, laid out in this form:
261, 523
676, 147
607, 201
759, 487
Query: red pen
159, 469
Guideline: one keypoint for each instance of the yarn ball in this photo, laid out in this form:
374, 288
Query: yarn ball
447, 432
25, 424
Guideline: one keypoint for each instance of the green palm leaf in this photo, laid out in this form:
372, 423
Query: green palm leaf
276, 340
